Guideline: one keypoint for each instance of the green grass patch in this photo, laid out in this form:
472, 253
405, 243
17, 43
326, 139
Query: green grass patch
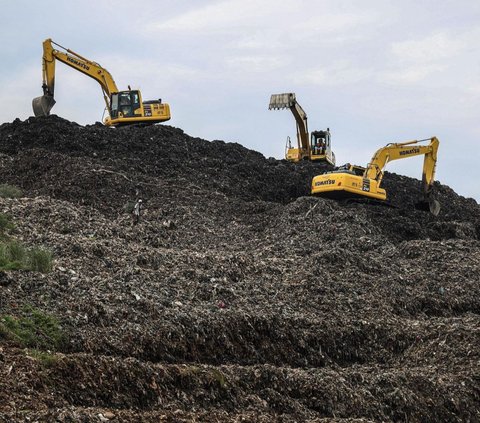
129, 206
197, 375
40, 260
33, 329
10, 191
218, 377
6, 223
12, 255
16, 251
46, 359
15, 256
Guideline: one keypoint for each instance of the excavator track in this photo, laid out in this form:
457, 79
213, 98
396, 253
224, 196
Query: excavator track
432, 206
369, 201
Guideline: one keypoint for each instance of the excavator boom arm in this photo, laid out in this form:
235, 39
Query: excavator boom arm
42, 105
288, 100
404, 150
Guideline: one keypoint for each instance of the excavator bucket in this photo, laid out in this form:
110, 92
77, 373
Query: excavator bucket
281, 101
429, 205
434, 207
42, 105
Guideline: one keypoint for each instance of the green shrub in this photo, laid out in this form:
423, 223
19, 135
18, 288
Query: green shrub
129, 206
16, 251
34, 329
5, 223
10, 191
40, 260
217, 377
10, 265
14, 256
45, 358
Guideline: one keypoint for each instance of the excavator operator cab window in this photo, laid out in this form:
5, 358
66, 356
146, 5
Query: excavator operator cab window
125, 103
359, 171
318, 143
135, 100
114, 106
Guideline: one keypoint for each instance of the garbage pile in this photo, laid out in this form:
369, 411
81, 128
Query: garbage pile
236, 296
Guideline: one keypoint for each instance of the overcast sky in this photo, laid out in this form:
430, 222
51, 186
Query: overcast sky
373, 71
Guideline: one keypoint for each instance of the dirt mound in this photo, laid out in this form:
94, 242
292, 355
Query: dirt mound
158, 152
237, 297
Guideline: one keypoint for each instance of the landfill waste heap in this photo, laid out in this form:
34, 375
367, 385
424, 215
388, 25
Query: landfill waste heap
236, 297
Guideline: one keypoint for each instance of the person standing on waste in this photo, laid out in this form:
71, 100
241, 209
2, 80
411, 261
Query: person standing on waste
137, 208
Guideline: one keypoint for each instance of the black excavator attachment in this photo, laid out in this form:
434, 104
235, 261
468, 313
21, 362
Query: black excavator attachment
42, 105
429, 204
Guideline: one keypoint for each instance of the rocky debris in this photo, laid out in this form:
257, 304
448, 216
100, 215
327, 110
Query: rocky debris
237, 297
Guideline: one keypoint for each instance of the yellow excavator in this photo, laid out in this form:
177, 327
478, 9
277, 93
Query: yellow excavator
350, 181
317, 148
123, 107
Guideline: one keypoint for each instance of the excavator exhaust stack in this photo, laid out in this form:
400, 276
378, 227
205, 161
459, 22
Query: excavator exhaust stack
281, 101
42, 105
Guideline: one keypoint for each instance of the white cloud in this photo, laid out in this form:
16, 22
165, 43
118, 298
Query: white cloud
438, 60
137, 71
225, 15
336, 22
259, 40
435, 47
341, 73
20, 92
256, 63
410, 74
259, 24
473, 89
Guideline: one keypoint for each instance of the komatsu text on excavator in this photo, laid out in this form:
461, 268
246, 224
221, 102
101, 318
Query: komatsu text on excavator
358, 182
123, 107
318, 147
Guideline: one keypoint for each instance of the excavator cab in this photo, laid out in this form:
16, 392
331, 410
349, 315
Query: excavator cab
320, 146
127, 107
125, 104
350, 169
318, 142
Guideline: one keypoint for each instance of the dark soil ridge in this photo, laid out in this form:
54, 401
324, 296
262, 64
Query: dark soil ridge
378, 393
238, 297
